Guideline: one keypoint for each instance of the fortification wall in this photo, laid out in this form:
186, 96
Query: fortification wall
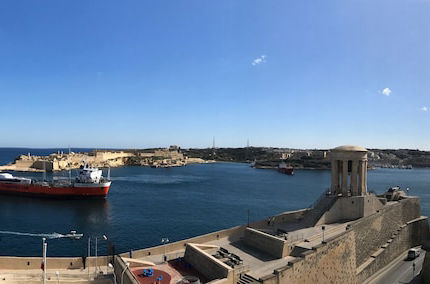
333, 262
24, 163
367, 246
24, 263
288, 217
264, 242
210, 267
407, 236
351, 208
373, 231
103, 156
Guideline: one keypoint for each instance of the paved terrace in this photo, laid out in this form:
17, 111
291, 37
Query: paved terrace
257, 262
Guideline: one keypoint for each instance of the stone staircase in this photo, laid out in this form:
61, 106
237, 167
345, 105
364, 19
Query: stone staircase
246, 279
320, 206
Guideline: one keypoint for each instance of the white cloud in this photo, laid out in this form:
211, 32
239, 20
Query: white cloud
423, 108
259, 60
386, 92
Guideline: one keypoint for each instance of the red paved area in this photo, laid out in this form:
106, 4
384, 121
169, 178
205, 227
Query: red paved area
172, 272
166, 277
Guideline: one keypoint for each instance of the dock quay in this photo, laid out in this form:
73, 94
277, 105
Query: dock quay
348, 235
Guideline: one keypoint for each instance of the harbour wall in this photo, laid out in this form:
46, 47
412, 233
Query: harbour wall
25, 263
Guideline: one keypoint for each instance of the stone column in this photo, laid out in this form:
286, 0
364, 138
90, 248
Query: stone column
345, 177
364, 187
334, 176
354, 172
360, 175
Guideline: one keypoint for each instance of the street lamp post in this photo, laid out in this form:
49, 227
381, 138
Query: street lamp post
44, 248
164, 241
96, 252
107, 253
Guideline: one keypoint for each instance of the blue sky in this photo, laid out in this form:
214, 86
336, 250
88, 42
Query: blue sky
305, 74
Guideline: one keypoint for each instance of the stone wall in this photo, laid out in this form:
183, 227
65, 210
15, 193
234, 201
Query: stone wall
373, 231
288, 217
367, 246
101, 156
333, 262
207, 265
407, 236
25, 263
351, 208
264, 242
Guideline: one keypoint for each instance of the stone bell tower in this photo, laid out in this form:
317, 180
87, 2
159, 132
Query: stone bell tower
349, 170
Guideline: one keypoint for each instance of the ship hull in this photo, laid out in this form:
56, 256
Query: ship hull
70, 191
286, 171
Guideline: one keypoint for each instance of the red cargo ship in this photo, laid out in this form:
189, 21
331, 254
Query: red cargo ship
88, 183
285, 169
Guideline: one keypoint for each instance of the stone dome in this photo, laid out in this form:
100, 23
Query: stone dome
350, 148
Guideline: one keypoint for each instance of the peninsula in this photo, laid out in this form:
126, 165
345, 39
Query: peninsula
160, 157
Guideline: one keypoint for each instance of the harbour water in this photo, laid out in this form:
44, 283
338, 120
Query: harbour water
146, 204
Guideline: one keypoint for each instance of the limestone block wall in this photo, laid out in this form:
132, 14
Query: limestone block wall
103, 156
207, 265
24, 263
351, 208
24, 163
407, 236
288, 217
264, 242
333, 262
373, 231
